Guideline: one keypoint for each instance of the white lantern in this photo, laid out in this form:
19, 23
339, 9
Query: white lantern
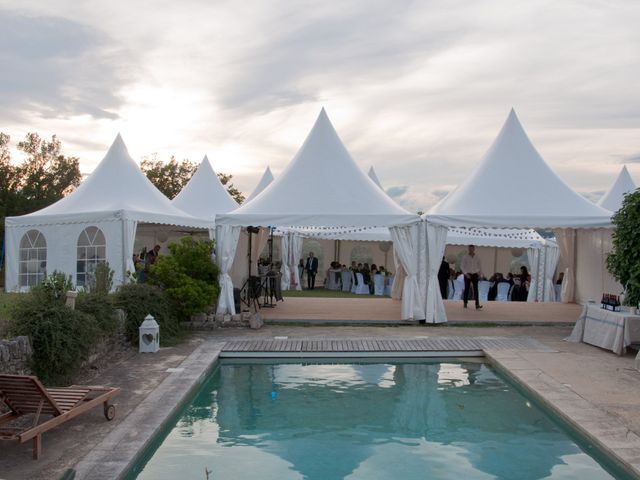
149, 335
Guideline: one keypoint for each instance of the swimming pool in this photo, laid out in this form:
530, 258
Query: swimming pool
378, 420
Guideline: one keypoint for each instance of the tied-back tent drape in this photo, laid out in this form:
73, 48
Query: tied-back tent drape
321, 187
539, 200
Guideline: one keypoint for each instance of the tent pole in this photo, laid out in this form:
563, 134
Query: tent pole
495, 259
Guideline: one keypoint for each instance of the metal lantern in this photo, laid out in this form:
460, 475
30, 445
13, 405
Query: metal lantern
149, 335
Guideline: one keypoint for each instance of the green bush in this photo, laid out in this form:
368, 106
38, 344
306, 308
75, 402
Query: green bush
61, 338
103, 276
624, 260
188, 276
139, 300
100, 306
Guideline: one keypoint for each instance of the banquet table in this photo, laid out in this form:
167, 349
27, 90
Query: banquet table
614, 331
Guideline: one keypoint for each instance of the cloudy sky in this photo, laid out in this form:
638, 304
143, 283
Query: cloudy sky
418, 89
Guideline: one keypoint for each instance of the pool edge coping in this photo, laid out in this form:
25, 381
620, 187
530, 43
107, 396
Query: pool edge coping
114, 456
615, 440
123, 446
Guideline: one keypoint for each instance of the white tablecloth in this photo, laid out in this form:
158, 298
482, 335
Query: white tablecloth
606, 329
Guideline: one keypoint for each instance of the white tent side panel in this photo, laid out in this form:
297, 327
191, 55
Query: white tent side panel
62, 249
592, 277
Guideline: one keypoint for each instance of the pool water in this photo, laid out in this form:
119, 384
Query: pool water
396, 420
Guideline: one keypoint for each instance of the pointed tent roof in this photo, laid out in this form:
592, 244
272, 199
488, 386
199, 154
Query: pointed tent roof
513, 186
612, 200
116, 188
321, 186
204, 196
267, 178
372, 175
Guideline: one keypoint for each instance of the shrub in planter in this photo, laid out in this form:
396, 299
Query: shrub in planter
188, 276
139, 300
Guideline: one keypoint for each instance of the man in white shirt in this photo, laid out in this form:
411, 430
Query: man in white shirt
471, 269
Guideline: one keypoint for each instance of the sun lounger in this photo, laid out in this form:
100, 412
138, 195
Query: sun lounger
24, 395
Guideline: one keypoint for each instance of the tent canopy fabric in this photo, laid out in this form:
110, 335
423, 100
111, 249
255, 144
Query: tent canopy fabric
612, 199
204, 196
267, 178
513, 186
373, 176
321, 186
117, 188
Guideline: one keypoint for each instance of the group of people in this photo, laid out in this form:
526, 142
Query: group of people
142, 262
471, 273
309, 266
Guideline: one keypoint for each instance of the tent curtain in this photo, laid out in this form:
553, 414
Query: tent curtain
406, 241
295, 244
551, 257
285, 278
398, 280
565, 238
227, 242
258, 242
129, 228
436, 243
533, 255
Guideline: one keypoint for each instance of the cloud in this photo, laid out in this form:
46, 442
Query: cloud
399, 191
631, 158
55, 67
440, 193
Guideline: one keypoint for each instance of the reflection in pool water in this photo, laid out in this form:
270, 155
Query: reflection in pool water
365, 421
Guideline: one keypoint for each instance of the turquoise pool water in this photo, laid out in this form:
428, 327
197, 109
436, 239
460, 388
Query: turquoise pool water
396, 420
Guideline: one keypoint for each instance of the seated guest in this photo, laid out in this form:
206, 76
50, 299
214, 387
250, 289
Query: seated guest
366, 274
374, 269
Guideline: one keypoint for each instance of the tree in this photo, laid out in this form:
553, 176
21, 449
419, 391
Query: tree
171, 177
44, 176
233, 191
624, 260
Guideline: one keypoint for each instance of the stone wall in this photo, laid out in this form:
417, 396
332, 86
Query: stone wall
212, 321
15, 355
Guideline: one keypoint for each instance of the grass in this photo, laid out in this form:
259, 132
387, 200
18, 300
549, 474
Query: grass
324, 293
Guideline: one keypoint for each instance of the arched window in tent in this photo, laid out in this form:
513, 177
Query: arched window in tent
92, 250
361, 254
33, 258
309, 245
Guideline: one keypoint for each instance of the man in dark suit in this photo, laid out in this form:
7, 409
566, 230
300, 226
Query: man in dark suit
311, 267
443, 278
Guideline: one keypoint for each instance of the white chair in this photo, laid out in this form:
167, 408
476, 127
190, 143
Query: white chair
459, 289
389, 285
361, 288
503, 292
378, 284
346, 280
353, 283
451, 289
332, 284
483, 290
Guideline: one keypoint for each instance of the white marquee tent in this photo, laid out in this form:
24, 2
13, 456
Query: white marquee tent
204, 196
322, 187
594, 246
512, 186
97, 222
265, 180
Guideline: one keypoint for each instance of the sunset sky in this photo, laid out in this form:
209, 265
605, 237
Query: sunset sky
417, 89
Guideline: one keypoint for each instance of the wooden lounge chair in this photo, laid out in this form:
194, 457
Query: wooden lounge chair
25, 395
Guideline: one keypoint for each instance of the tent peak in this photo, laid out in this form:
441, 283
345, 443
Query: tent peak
613, 198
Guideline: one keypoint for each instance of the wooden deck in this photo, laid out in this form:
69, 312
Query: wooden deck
386, 310
377, 347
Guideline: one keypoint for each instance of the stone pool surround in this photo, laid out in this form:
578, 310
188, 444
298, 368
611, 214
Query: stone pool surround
121, 448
